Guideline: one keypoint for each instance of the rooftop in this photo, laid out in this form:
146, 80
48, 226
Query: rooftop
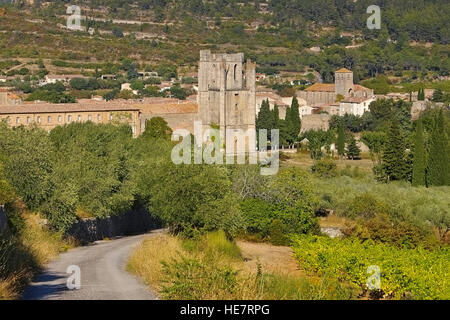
321, 87
344, 70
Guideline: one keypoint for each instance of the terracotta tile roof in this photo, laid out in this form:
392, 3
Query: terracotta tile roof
344, 70
358, 87
168, 108
13, 96
148, 106
321, 87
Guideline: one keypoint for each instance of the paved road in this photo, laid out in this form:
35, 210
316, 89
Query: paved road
103, 274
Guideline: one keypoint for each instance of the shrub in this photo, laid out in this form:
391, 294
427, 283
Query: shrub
366, 206
194, 198
325, 168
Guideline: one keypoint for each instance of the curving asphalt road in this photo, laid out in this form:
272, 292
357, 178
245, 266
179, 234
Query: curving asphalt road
103, 274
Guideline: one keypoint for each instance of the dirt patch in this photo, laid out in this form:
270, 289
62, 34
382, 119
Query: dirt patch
273, 259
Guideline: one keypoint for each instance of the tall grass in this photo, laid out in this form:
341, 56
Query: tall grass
212, 268
22, 255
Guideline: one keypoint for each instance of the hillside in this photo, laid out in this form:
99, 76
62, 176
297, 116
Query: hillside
413, 43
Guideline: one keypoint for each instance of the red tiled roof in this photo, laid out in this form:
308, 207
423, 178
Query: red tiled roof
321, 87
344, 70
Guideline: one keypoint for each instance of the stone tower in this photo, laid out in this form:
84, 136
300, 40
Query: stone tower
344, 82
227, 92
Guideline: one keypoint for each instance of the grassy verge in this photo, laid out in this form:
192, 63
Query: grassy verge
24, 254
212, 268
405, 273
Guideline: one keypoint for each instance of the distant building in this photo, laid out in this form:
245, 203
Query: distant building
49, 115
328, 93
109, 77
355, 106
49, 79
9, 98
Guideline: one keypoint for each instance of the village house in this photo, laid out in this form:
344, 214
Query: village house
65, 78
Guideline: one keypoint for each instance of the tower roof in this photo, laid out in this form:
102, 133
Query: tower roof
344, 70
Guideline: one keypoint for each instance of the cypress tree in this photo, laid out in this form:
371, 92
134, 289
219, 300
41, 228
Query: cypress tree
419, 159
353, 150
295, 118
341, 140
276, 117
421, 94
265, 117
394, 156
439, 160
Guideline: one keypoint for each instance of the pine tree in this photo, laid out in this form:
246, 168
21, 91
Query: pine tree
439, 159
295, 118
419, 159
353, 151
341, 140
438, 96
265, 117
394, 156
276, 117
421, 95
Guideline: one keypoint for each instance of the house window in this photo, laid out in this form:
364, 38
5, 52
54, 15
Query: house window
110, 116
79, 117
89, 117
59, 118
38, 119
49, 119
28, 119
17, 120
69, 118
99, 117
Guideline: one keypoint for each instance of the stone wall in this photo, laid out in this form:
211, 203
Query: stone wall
315, 122
133, 222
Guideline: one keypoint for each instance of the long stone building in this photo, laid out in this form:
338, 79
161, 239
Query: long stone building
226, 98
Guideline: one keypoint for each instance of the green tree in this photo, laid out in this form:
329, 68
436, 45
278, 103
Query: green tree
353, 151
421, 95
394, 156
438, 96
157, 128
439, 160
341, 140
419, 159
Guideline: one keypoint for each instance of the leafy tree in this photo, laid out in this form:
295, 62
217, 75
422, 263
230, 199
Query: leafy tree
439, 160
26, 154
157, 128
375, 142
419, 160
341, 141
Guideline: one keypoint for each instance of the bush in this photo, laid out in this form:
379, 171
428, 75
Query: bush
366, 206
325, 168
192, 198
